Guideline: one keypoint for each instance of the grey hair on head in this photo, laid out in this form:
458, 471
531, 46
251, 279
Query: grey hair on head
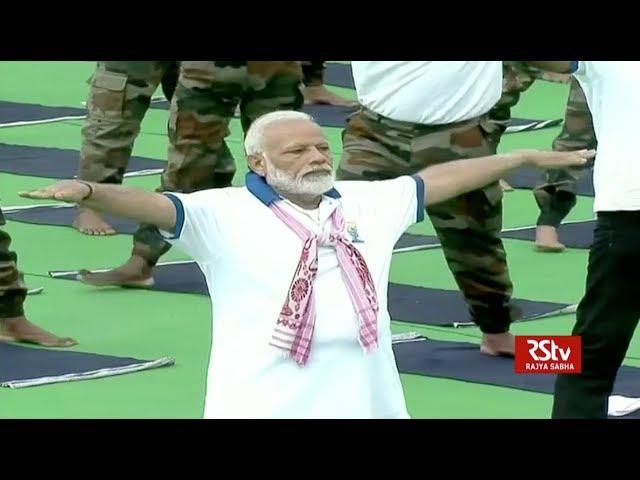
253, 141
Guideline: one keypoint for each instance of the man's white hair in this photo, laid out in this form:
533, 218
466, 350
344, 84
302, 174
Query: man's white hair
253, 141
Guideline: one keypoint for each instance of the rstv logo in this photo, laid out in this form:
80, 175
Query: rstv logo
548, 354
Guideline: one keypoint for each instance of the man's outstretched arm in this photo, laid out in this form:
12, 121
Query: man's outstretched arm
145, 207
448, 180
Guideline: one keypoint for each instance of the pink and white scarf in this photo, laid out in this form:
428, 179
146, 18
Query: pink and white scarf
294, 328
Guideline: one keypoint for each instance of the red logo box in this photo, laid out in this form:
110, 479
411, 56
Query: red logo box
548, 354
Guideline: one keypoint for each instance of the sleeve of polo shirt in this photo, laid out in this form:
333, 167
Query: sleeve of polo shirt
197, 230
580, 69
583, 73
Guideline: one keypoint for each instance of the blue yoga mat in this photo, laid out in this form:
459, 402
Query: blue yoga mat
426, 306
11, 112
22, 366
463, 361
63, 216
530, 177
325, 115
573, 235
57, 163
339, 75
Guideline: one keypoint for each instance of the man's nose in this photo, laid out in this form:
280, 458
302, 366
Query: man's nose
319, 156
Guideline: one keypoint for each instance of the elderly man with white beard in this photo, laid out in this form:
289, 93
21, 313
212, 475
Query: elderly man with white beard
297, 267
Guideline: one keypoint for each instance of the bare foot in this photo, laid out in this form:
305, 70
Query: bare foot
19, 329
90, 223
547, 239
498, 344
135, 273
555, 77
505, 186
320, 95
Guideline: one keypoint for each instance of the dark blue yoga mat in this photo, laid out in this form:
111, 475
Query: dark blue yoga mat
426, 306
11, 112
22, 366
573, 235
463, 361
57, 163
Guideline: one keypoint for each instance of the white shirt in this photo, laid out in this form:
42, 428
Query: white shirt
429, 93
248, 257
611, 89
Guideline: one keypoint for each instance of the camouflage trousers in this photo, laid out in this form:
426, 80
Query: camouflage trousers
119, 97
556, 195
517, 78
12, 287
376, 148
313, 73
204, 103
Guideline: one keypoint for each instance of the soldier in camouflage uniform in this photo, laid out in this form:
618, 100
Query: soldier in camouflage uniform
119, 97
556, 194
315, 91
14, 326
377, 148
517, 77
199, 158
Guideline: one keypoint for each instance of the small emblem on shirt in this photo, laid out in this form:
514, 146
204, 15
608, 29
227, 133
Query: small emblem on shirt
352, 230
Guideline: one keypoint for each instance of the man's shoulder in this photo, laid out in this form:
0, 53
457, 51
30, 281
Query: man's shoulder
355, 190
216, 201
356, 185
227, 193
349, 188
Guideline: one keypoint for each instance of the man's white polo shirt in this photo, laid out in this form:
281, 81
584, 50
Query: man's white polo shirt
248, 257
611, 89
428, 93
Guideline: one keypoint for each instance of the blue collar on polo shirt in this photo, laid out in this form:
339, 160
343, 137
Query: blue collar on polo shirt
267, 195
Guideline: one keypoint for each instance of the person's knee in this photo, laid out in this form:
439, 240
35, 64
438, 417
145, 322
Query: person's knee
196, 179
107, 94
188, 128
119, 97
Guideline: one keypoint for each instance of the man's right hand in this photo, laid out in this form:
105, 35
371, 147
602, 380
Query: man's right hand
70, 191
144, 207
552, 160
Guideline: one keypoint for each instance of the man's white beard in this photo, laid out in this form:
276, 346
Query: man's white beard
311, 185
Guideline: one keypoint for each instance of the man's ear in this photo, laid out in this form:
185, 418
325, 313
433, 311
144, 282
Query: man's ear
257, 164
